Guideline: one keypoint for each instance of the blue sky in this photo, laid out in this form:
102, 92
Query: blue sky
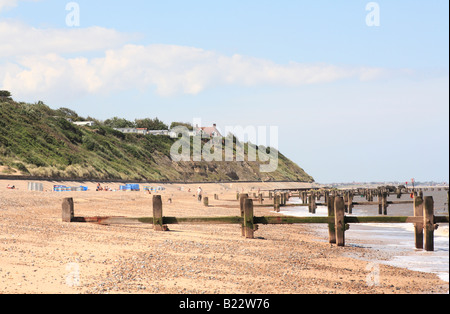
352, 102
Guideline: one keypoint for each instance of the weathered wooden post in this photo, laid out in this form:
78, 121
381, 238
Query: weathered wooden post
350, 203
248, 219
339, 215
242, 199
158, 213
327, 195
384, 203
418, 227
277, 202
331, 228
67, 210
310, 202
346, 201
428, 216
380, 204
260, 198
313, 203
206, 201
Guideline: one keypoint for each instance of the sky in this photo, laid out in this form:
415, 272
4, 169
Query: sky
359, 90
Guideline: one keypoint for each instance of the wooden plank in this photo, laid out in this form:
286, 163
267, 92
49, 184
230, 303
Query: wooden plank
203, 220
364, 203
295, 205
399, 202
441, 219
288, 220
264, 220
382, 219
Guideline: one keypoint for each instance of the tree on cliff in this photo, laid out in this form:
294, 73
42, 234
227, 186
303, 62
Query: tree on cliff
5, 95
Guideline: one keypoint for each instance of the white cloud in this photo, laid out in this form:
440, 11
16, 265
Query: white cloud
18, 39
36, 65
7, 3
171, 69
10, 3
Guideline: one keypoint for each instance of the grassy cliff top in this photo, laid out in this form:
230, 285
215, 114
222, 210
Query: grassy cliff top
36, 140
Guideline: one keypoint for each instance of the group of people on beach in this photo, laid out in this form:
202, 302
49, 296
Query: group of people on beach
100, 188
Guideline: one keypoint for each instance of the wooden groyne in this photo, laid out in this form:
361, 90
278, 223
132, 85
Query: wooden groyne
338, 204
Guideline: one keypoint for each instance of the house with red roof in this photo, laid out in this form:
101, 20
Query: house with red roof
209, 131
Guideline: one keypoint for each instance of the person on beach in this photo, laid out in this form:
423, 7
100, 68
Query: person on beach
199, 194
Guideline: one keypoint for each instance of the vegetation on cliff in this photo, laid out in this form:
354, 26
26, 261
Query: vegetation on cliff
36, 140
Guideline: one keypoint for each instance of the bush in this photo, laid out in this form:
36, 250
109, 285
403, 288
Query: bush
21, 167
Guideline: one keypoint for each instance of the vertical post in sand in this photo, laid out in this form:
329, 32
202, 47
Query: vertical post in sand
350, 202
242, 199
309, 203
277, 202
384, 203
380, 204
282, 199
418, 227
206, 201
339, 215
331, 228
313, 202
326, 194
157, 213
346, 201
428, 221
67, 210
248, 219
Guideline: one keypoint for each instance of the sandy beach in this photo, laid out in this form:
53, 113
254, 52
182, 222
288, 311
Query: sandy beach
41, 254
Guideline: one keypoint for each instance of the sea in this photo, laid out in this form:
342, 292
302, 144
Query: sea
395, 242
